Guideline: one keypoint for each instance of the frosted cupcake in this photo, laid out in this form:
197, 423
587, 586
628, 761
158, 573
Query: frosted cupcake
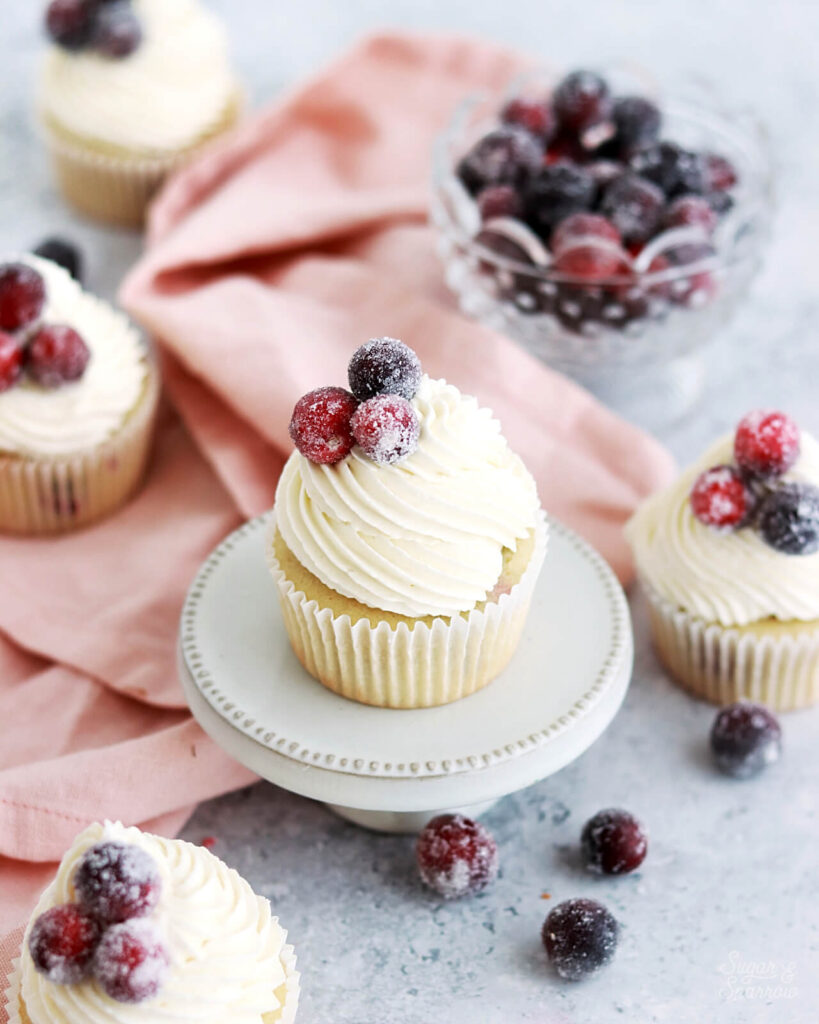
406, 538
136, 928
78, 398
729, 558
128, 92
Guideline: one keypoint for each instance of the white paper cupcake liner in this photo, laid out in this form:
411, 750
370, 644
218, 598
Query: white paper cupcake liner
724, 664
12, 993
407, 667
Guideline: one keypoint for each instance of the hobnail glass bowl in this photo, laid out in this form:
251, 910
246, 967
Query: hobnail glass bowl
639, 346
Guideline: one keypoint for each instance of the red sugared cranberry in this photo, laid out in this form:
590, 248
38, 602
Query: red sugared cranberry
581, 101
386, 427
634, 205
789, 519
11, 361
56, 355
384, 366
637, 121
62, 943
720, 174
580, 937
585, 226
690, 211
131, 961
745, 738
64, 253
117, 881
614, 842
659, 284
506, 156
534, 115
320, 427
564, 149
456, 856
22, 295
591, 262
766, 443
558, 191
499, 201
70, 22
117, 30
720, 498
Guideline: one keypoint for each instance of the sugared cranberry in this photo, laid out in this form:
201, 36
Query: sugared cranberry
499, 201
605, 171
555, 193
64, 253
720, 173
581, 101
766, 443
506, 156
56, 355
456, 856
117, 881
62, 943
117, 30
70, 23
614, 842
564, 148
789, 519
720, 498
720, 202
131, 961
659, 280
585, 226
384, 366
11, 361
745, 738
386, 428
637, 121
634, 205
320, 426
690, 211
700, 285
591, 262
22, 295
674, 169
580, 937
534, 115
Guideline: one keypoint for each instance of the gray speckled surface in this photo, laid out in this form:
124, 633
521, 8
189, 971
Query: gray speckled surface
731, 881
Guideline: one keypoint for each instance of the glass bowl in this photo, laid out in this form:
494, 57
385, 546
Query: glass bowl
637, 338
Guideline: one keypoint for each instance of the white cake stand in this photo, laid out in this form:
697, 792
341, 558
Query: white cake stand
392, 770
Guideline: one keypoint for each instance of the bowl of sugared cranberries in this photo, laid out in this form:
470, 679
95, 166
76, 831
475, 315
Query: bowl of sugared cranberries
610, 228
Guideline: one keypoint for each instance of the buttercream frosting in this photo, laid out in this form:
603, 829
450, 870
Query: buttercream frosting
424, 536
734, 577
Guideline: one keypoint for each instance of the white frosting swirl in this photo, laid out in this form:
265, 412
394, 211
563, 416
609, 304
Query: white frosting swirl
163, 97
424, 536
732, 578
40, 421
224, 944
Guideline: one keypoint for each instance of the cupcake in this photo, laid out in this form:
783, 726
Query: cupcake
729, 558
129, 91
78, 397
139, 928
406, 537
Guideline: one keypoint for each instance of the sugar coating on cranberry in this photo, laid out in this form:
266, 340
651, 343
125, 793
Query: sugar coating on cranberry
117, 881
499, 201
674, 169
384, 366
690, 211
634, 205
767, 443
534, 115
131, 961
637, 121
558, 191
580, 936
788, 519
22, 295
581, 100
506, 156
320, 425
745, 739
11, 361
456, 856
62, 942
585, 226
720, 498
56, 355
614, 842
720, 173
386, 428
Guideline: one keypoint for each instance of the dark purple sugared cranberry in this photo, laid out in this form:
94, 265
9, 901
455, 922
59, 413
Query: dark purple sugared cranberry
720, 173
384, 366
614, 842
605, 171
720, 498
131, 961
534, 115
580, 937
456, 856
675, 170
581, 101
583, 226
56, 355
499, 201
64, 253
690, 211
766, 443
745, 738
386, 428
62, 943
70, 23
506, 156
117, 881
117, 30
320, 425
554, 194
789, 519
637, 123
720, 202
11, 361
22, 295
634, 205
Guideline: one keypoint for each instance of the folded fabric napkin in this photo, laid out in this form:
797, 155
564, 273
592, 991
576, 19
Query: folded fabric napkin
272, 257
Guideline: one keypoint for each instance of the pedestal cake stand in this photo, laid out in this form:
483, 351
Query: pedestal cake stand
393, 770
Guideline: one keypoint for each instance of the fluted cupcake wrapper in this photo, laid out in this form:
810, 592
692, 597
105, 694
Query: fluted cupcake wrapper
53, 494
723, 664
406, 667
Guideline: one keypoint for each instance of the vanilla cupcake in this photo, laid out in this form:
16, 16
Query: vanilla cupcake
729, 558
127, 93
406, 537
78, 396
137, 928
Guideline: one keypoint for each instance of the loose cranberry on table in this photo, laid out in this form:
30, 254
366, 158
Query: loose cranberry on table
11, 361
131, 961
634, 205
386, 428
506, 156
320, 426
614, 842
788, 519
456, 856
766, 443
580, 936
720, 498
22, 296
536, 116
384, 366
117, 881
62, 943
745, 739
56, 355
